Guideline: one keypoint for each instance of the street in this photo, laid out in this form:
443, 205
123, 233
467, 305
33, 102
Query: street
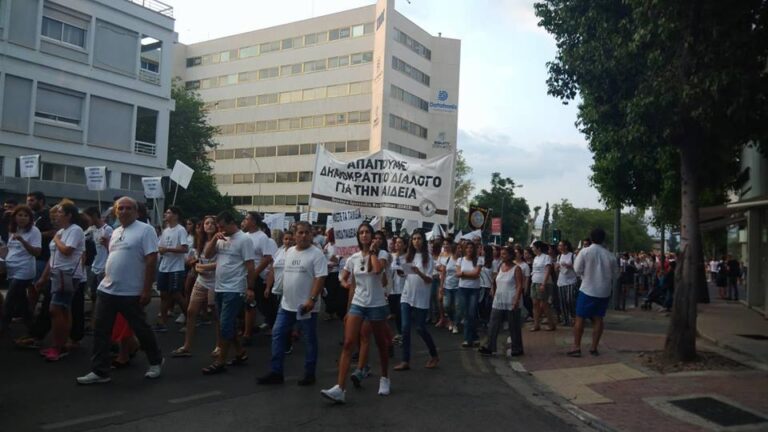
464, 393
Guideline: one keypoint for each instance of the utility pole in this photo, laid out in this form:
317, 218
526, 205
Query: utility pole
617, 230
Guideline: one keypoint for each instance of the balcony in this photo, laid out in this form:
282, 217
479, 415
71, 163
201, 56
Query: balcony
145, 148
155, 6
149, 76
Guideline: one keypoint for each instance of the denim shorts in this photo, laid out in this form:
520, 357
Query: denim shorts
62, 299
376, 313
170, 281
229, 305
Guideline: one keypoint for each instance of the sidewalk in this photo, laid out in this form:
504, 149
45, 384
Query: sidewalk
623, 393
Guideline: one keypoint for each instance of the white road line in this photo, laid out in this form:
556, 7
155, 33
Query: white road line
80, 420
194, 397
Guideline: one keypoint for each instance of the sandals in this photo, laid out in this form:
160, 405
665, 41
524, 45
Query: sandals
432, 363
239, 359
402, 367
216, 351
214, 368
574, 353
181, 352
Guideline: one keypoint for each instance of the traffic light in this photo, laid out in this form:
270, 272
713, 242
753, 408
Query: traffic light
556, 236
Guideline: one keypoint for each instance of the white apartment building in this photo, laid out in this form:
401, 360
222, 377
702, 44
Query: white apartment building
85, 83
355, 82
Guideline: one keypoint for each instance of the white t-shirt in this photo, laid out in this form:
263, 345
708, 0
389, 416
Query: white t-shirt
330, 251
496, 265
417, 292
20, 264
567, 275
172, 238
466, 266
278, 265
486, 276
231, 256
73, 237
206, 279
506, 289
539, 268
262, 246
301, 269
599, 271
128, 247
369, 288
451, 281
105, 232
713, 266
397, 282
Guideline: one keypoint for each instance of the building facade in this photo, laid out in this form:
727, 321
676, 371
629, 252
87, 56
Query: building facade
85, 83
355, 82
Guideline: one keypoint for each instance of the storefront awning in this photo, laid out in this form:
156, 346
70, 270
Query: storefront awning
728, 214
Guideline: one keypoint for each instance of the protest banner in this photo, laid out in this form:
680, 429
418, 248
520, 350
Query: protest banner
182, 175
29, 166
385, 184
96, 180
275, 221
345, 225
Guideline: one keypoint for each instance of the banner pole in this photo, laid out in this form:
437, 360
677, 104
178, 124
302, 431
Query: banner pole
98, 197
29, 183
174, 194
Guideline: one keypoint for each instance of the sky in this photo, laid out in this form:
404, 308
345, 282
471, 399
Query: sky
507, 122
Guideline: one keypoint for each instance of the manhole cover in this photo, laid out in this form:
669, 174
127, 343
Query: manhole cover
719, 412
754, 336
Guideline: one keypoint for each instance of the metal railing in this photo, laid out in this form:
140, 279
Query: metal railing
149, 76
145, 148
155, 6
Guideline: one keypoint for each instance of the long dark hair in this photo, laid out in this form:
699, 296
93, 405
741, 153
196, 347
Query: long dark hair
568, 245
474, 252
383, 244
13, 227
424, 250
541, 246
201, 240
370, 228
488, 256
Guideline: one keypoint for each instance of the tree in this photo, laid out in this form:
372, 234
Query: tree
545, 225
462, 187
576, 223
670, 93
190, 138
512, 210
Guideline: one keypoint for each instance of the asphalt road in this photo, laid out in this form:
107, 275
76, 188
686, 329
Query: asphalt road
464, 393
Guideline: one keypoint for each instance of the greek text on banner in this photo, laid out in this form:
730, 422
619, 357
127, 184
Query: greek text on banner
385, 184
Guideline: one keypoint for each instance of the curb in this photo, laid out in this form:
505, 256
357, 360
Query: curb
540, 395
727, 348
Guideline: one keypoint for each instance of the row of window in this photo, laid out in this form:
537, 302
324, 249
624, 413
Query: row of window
62, 173
411, 43
409, 98
404, 125
347, 89
282, 71
269, 177
268, 200
284, 124
289, 150
311, 39
409, 70
405, 151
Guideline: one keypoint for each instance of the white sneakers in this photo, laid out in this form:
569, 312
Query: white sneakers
92, 378
181, 319
335, 394
154, 371
383, 386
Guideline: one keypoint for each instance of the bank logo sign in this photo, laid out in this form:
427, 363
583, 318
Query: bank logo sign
440, 105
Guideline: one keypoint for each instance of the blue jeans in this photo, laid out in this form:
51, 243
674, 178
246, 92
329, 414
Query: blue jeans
469, 297
420, 320
452, 305
282, 330
229, 305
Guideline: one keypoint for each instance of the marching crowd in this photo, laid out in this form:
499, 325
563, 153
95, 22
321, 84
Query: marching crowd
232, 274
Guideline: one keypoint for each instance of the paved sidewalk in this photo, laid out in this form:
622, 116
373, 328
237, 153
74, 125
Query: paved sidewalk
617, 391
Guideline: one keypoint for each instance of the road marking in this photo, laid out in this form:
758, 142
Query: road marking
517, 367
194, 397
481, 364
80, 420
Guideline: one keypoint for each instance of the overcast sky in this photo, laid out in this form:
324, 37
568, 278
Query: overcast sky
507, 122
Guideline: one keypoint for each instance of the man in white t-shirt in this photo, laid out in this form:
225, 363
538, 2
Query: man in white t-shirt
235, 274
264, 248
101, 234
126, 288
173, 247
303, 278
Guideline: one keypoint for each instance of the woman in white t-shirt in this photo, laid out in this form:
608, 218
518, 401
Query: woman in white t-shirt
194, 229
468, 270
64, 271
418, 269
398, 284
336, 296
449, 285
567, 288
541, 286
487, 275
362, 276
24, 244
202, 294
507, 295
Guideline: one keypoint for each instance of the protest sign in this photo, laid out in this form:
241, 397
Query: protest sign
275, 221
496, 226
385, 184
310, 217
345, 225
153, 188
182, 174
29, 166
96, 178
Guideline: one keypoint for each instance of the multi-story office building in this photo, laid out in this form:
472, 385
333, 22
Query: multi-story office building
355, 82
85, 83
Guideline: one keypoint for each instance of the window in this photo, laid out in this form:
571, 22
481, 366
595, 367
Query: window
227, 80
368, 28
267, 99
130, 182
338, 90
355, 146
307, 149
264, 178
380, 20
406, 151
336, 147
193, 85
247, 76
63, 32
54, 172
75, 175
290, 200
283, 124
269, 47
305, 176
288, 150
59, 104
224, 154
272, 72
251, 51
264, 151
409, 70
242, 200
242, 178
358, 30
310, 39
411, 99
412, 44
404, 125
353, 117
288, 70
279, 199
335, 62
151, 54
314, 66
306, 122
245, 128
355, 88
146, 125
266, 200
287, 177
243, 153
224, 57
194, 61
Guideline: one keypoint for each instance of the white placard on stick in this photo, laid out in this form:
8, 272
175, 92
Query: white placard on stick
96, 178
345, 225
310, 217
29, 166
182, 174
153, 187
275, 221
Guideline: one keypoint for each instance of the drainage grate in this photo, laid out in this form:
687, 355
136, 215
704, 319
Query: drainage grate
719, 412
754, 336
